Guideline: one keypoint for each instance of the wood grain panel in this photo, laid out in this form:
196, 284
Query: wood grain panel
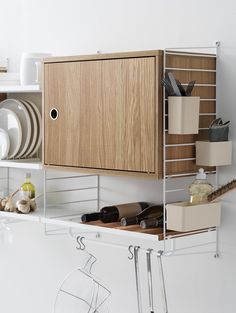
205, 92
201, 77
178, 139
184, 167
207, 106
136, 228
159, 118
180, 152
191, 62
106, 114
205, 121
105, 56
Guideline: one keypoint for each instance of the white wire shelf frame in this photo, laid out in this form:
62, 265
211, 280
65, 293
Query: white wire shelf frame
166, 177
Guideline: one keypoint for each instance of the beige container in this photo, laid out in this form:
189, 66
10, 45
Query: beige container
213, 153
183, 115
184, 217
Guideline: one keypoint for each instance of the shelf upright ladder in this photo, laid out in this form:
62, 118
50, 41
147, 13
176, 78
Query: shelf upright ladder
166, 177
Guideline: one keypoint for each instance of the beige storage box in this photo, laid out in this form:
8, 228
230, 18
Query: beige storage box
183, 115
213, 153
184, 217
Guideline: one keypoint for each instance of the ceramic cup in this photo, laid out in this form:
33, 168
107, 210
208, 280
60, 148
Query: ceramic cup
30, 69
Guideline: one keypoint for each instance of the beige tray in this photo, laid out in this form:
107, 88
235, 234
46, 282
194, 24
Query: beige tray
213, 153
184, 217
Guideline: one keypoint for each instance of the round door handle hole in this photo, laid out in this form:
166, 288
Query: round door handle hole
54, 114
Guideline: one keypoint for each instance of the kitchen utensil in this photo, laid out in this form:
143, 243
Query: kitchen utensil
81, 291
10, 122
219, 131
181, 88
29, 69
34, 128
162, 281
174, 84
4, 144
168, 87
39, 127
190, 87
22, 113
137, 279
149, 276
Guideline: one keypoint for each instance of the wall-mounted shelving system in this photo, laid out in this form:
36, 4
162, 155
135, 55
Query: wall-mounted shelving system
176, 150
63, 216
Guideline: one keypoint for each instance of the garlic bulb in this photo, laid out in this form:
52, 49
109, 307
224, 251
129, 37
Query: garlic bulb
23, 206
10, 207
1, 205
4, 202
8, 202
33, 205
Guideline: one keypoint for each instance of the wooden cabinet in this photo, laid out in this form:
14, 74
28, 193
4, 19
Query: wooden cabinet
108, 108
110, 112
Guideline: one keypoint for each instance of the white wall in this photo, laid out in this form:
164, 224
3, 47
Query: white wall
32, 267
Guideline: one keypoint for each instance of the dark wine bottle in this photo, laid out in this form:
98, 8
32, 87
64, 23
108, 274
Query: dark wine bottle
89, 217
153, 211
114, 213
152, 222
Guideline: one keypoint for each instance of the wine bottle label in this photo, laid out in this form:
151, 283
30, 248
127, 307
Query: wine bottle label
128, 210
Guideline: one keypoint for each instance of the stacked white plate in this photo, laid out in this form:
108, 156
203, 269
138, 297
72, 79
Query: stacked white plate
20, 129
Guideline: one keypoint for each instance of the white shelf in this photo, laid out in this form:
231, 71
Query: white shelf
31, 164
19, 88
75, 226
33, 217
38, 216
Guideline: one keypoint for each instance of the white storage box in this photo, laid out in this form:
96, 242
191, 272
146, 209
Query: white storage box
184, 217
213, 153
183, 115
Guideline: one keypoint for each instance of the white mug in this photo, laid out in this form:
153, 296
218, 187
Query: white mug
30, 72
38, 65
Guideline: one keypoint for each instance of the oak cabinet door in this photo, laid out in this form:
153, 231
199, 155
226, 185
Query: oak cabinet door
106, 114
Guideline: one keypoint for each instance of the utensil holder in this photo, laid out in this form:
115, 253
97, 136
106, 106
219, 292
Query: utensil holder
183, 115
219, 134
184, 217
213, 153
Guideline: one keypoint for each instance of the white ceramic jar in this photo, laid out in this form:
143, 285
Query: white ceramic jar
30, 71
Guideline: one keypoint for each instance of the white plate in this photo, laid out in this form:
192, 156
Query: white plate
10, 122
39, 126
34, 128
20, 110
4, 144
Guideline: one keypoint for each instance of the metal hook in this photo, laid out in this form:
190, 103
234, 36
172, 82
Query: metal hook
137, 278
80, 242
130, 248
163, 286
149, 277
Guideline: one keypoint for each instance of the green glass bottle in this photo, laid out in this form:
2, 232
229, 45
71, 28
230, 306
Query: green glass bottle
27, 189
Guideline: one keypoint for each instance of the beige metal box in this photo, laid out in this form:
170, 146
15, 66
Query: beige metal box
213, 153
184, 217
183, 115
